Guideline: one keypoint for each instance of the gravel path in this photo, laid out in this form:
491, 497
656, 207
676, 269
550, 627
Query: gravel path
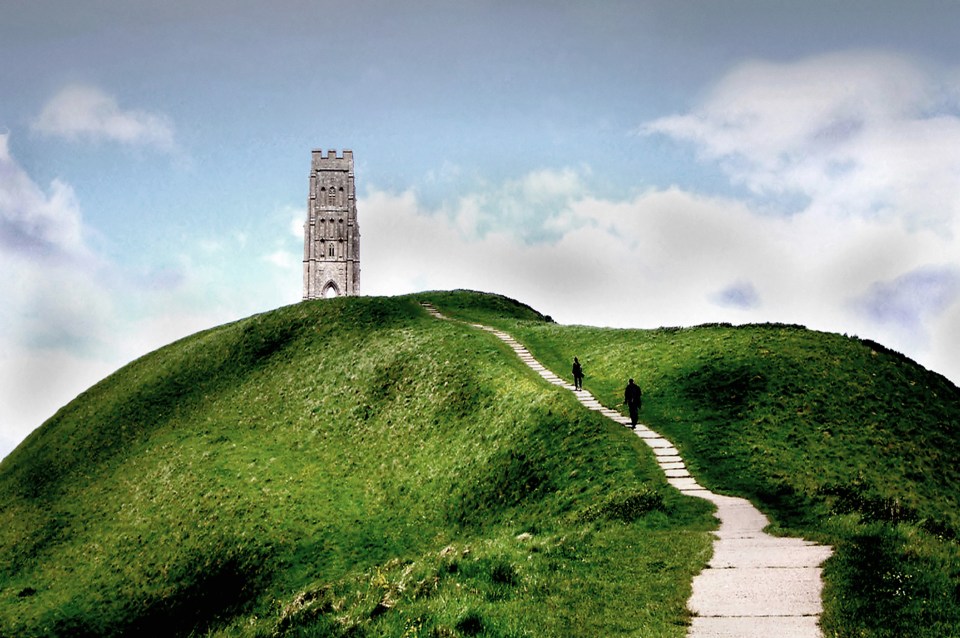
755, 585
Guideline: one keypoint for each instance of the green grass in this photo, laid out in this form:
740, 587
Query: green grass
355, 467
346, 467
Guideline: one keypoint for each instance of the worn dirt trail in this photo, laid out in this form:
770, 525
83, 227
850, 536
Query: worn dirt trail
755, 585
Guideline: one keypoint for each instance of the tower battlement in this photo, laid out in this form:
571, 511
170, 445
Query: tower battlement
332, 159
331, 236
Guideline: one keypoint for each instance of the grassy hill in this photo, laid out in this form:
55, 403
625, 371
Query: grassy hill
347, 467
354, 467
836, 438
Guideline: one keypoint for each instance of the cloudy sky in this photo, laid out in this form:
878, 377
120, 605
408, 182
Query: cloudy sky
618, 163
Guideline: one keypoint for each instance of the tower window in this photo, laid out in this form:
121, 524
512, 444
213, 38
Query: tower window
331, 250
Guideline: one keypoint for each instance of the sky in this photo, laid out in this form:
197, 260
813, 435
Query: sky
619, 163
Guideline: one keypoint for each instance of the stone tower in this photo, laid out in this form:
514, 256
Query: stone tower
331, 237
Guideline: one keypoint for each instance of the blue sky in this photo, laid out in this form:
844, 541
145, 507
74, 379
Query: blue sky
630, 164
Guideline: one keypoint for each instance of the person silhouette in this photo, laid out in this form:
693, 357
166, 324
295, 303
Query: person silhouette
577, 375
633, 397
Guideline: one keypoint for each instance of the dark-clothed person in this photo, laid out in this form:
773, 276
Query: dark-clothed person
633, 397
577, 374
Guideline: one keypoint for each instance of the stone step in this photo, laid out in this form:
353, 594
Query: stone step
647, 434
757, 592
659, 443
754, 627
754, 552
666, 451
671, 465
686, 484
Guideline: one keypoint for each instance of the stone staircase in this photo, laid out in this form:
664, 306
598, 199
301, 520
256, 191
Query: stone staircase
755, 585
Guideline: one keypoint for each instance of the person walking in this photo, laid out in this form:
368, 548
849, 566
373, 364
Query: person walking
577, 375
633, 397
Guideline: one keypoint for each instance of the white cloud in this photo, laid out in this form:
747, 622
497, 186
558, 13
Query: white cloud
86, 112
668, 257
283, 259
534, 206
56, 317
58, 335
866, 134
36, 224
869, 144
69, 316
907, 301
297, 217
739, 294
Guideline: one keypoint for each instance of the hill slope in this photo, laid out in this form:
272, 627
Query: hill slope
346, 467
834, 437
355, 467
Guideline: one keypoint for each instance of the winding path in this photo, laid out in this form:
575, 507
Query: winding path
755, 585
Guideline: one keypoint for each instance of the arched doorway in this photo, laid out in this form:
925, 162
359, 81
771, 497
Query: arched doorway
330, 291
